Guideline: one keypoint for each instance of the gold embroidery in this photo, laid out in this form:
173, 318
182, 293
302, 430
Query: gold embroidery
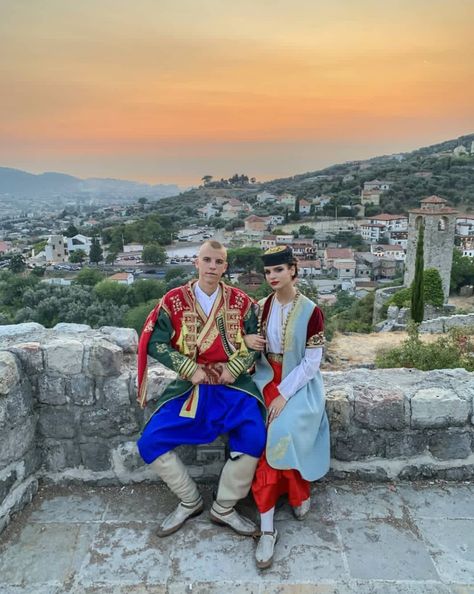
316, 341
149, 327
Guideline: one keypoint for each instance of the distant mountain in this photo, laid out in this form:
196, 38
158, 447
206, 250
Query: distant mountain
21, 184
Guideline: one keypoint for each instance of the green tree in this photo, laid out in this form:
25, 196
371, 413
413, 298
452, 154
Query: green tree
462, 271
135, 317
143, 291
417, 292
77, 256
142, 201
176, 272
89, 277
95, 254
107, 290
71, 231
154, 253
17, 263
433, 287
247, 258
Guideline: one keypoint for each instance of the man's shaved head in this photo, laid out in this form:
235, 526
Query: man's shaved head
215, 245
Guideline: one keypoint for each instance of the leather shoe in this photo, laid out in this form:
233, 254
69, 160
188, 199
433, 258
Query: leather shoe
178, 517
265, 548
234, 520
301, 511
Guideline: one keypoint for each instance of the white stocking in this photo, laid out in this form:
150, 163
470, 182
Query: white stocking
266, 520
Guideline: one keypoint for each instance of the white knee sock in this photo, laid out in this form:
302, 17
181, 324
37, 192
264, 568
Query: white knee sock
266, 520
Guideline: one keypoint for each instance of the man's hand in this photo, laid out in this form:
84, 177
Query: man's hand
199, 376
226, 376
275, 408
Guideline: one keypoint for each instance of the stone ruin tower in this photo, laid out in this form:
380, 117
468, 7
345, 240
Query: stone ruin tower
439, 220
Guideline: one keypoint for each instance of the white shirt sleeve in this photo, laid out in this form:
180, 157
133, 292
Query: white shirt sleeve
302, 373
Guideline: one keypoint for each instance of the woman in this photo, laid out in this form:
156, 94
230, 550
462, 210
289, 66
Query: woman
287, 373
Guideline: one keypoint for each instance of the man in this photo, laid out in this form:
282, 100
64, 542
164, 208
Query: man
197, 330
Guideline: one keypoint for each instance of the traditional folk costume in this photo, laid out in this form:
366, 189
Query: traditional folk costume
186, 329
297, 449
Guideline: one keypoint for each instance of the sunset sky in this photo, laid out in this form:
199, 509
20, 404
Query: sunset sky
169, 90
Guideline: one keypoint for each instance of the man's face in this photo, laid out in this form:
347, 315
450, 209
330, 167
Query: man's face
211, 265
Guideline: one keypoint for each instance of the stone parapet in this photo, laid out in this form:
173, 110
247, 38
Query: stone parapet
68, 412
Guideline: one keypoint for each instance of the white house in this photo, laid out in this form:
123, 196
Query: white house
79, 242
305, 206
465, 226
371, 232
265, 196
123, 278
208, 211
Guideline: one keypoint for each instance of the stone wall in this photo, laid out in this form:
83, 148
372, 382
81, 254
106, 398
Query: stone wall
68, 413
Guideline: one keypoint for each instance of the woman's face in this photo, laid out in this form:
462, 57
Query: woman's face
279, 276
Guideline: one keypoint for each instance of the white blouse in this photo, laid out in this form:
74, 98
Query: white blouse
309, 366
205, 301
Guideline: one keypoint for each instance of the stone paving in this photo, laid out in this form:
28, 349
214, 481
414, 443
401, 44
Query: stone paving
385, 538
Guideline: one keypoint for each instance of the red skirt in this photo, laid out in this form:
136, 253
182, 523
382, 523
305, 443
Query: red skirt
270, 483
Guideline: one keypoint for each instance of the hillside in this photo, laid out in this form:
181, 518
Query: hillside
417, 174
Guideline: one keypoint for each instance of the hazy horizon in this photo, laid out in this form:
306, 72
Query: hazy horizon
168, 92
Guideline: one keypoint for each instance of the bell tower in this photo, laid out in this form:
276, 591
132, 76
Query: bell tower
439, 220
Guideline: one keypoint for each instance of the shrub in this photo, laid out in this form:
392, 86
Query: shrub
450, 351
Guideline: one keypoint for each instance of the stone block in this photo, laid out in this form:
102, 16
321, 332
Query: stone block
68, 328
108, 423
60, 454
405, 444
125, 338
103, 358
57, 422
438, 407
339, 407
6, 483
64, 356
14, 330
377, 408
125, 456
116, 390
9, 372
392, 312
159, 377
18, 405
52, 390
357, 445
450, 445
81, 390
95, 456
16, 441
31, 356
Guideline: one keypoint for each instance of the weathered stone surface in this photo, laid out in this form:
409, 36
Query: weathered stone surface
339, 407
377, 408
16, 441
52, 390
125, 338
81, 390
452, 444
30, 354
6, 483
126, 456
9, 372
57, 422
95, 456
357, 444
159, 377
103, 358
13, 330
405, 444
107, 423
437, 407
116, 390
59, 454
64, 356
68, 328
17, 405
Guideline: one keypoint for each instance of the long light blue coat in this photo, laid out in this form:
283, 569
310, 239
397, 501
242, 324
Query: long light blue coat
299, 437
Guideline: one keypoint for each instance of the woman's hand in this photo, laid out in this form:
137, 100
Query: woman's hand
254, 342
275, 408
